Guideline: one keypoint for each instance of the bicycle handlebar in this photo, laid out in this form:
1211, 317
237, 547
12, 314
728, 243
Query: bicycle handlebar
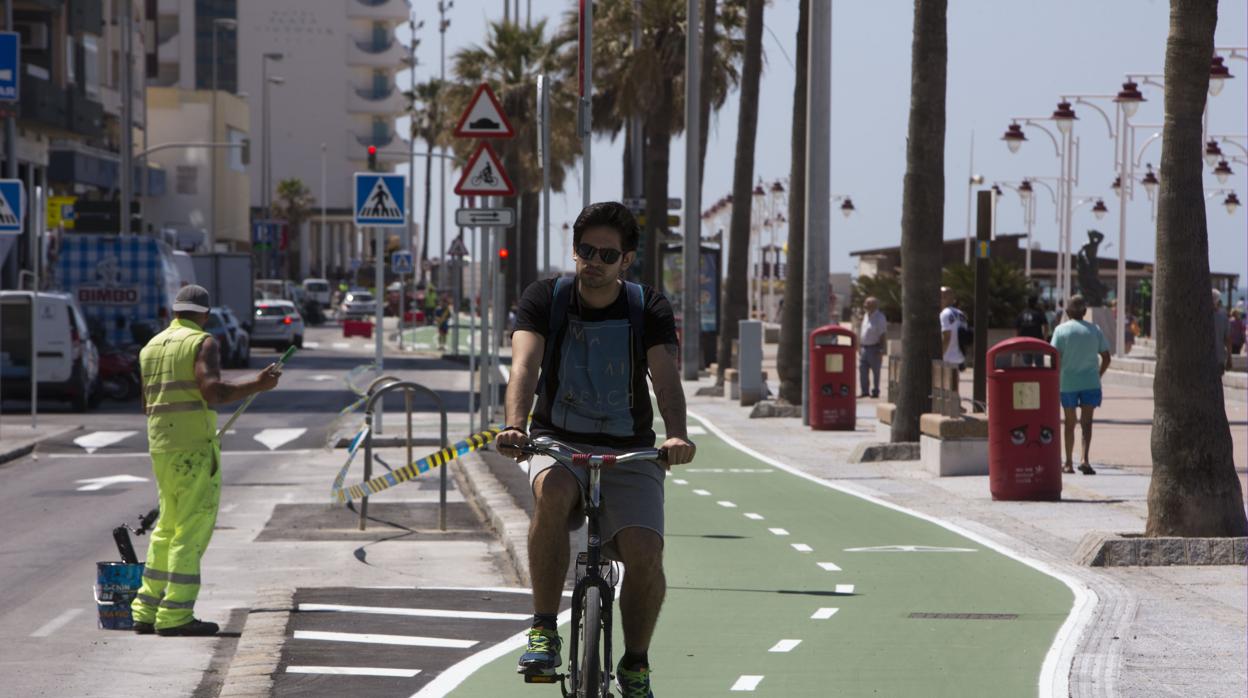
546, 446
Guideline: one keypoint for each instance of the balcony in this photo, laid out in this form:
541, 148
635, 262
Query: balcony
381, 140
86, 115
369, 100
396, 10
44, 104
377, 52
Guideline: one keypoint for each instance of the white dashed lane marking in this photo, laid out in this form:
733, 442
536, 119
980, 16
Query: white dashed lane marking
829, 566
678, 481
696, 430
824, 613
785, 646
56, 623
418, 612
702, 493
802, 548
353, 671
777, 531
379, 639
844, 588
747, 682
752, 515
726, 504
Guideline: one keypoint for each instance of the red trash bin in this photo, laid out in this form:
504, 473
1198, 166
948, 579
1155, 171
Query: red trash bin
1024, 421
833, 399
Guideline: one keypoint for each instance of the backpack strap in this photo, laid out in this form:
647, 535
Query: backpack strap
561, 298
636, 317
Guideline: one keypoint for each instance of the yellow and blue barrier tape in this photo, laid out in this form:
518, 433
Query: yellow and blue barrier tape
407, 472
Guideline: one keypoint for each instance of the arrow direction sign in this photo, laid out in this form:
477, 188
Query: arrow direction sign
485, 217
99, 483
276, 438
102, 439
484, 175
484, 117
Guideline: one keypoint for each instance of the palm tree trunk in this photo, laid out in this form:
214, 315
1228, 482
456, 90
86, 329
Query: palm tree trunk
658, 147
735, 303
1194, 489
789, 358
708, 66
922, 217
424, 229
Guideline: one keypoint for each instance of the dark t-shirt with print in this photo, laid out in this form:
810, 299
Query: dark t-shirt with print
659, 328
1030, 323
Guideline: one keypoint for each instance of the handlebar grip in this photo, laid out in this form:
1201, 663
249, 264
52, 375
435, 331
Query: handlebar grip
663, 454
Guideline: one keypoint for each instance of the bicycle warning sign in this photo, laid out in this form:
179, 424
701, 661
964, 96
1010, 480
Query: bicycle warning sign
380, 199
484, 175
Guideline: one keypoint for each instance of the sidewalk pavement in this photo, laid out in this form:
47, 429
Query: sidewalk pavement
18, 439
1154, 630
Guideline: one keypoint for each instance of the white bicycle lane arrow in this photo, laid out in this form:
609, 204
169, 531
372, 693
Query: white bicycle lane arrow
276, 438
101, 439
99, 483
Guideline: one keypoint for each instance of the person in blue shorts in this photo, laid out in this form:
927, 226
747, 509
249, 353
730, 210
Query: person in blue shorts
1083, 357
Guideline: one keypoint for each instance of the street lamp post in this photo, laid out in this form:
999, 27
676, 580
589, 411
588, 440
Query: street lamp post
267, 153
1066, 151
217, 24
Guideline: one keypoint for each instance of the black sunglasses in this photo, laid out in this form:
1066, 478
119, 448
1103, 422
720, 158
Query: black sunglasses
587, 251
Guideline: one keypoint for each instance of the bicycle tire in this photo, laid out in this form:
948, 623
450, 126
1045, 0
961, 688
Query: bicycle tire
589, 669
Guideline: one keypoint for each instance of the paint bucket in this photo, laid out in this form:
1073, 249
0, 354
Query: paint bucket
116, 585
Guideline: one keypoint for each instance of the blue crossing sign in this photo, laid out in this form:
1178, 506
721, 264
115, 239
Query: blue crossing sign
380, 199
10, 66
12, 206
401, 262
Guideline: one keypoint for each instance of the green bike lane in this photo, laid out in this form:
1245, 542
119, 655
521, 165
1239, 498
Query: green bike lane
773, 589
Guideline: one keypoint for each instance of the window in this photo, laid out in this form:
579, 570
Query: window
235, 158
188, 179
91, 65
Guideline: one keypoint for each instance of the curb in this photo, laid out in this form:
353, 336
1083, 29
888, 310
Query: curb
26, 447
259, 649
506, 517
1098, 549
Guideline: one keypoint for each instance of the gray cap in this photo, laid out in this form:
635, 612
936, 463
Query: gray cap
191, 299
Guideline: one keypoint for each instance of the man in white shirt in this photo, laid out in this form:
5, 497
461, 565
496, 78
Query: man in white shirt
871, 341
951, 320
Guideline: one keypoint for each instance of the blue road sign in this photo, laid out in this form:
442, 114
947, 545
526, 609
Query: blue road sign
401, 262
12, 206
380, 199
10, 66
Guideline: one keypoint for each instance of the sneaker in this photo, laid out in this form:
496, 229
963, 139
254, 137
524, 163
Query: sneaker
141, 628
541, 656
193, 628
633, 684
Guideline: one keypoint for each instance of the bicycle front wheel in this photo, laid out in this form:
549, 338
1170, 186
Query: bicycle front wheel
588, 662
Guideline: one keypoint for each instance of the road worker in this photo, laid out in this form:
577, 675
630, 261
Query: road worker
181, 370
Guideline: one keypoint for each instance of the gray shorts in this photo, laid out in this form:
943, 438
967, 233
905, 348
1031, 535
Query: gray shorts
632, 495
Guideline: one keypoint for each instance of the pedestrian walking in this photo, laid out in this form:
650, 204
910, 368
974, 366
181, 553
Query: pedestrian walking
1079, 344
952, 323
1221, 333
871, 343
431, 303
1237, 331
442, 316
181, 369
1032, 322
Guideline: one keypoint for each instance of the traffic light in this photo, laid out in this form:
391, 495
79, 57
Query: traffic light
503, 254
372, 158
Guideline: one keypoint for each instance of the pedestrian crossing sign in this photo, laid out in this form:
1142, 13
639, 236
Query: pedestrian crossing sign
380, 199
12, 209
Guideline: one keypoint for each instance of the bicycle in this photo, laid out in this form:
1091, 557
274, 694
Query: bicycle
594, 594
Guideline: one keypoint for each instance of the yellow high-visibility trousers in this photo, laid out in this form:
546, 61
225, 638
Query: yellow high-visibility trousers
189, 484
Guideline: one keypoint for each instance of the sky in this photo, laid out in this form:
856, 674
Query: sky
1006, 58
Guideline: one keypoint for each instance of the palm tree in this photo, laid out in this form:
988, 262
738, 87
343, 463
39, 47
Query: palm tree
649, 82
510, 60
1194, 490
734, 305
427, 125
293, 204
789, 358
922, 217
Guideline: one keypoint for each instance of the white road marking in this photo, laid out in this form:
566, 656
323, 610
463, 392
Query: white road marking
321, 377
844, 588
379, 639
829, 566
56, 623
231, 431
353, 671
100, 439
909, 549
678, 481
1055, 671
145, 454
341, 345
99, 483
824, 613
311, 345
695, 430
777, 531
229, 507
747, 682
726, 504
276, 438
419, 612
728, 470
702, 493
803, 548
752, 515
785, 646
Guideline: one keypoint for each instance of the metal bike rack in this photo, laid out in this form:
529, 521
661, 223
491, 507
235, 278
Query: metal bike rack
377, 390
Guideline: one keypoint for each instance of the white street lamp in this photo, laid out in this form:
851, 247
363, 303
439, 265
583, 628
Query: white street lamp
1231, 202
1129, 98
1223, 171
1213, 153
1218, 75
1099, 210
1150, 182
1014, 138
1064, 116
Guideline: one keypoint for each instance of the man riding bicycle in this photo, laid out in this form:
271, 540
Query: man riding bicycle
590, 341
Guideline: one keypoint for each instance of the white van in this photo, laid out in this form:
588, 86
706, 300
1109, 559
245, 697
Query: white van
68, 361
318, 290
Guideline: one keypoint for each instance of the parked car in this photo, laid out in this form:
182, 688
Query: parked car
233, 340
318, 290
277, 325
68, 365
358, 304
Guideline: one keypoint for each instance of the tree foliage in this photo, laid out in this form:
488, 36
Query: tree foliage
1008, 289
887, 290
